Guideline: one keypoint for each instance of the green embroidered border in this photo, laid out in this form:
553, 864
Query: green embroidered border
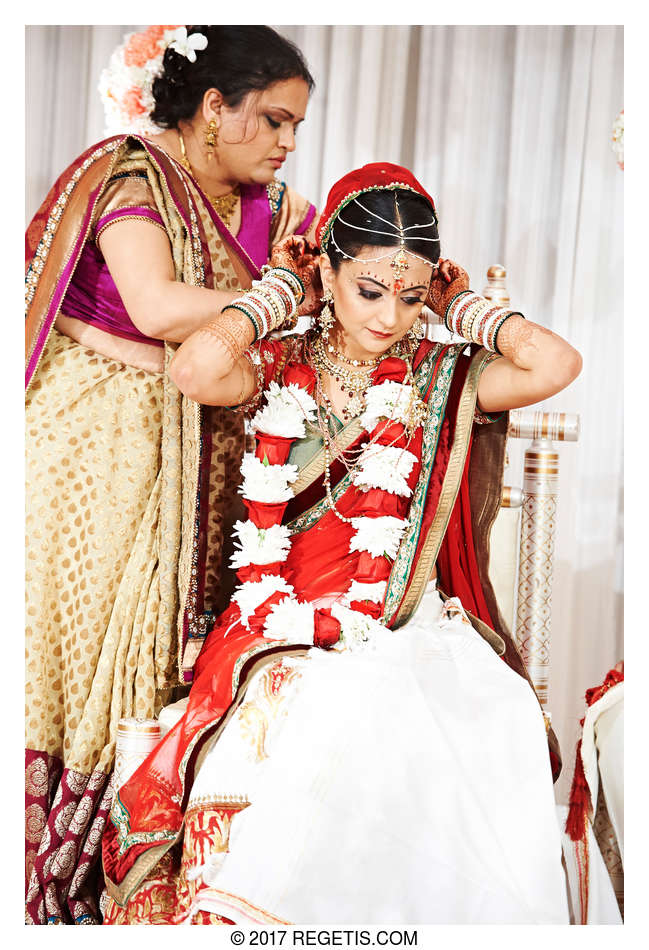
119, 817
398, 580
448, 495
313, 514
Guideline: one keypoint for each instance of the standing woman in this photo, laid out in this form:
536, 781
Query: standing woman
140, 242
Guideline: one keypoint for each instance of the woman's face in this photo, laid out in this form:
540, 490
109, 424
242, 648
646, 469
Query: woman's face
372, 312
256, 136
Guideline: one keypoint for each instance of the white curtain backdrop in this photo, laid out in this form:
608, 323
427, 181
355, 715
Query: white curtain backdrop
509, 128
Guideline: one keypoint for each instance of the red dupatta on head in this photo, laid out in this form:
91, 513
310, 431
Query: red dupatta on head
377, 176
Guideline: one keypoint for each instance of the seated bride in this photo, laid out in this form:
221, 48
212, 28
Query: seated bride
361, 742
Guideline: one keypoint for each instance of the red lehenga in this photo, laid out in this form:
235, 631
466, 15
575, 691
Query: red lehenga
148, 876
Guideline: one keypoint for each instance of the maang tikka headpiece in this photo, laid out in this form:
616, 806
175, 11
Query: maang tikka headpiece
400, 256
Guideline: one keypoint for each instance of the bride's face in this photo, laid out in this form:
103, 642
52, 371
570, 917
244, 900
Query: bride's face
373, 309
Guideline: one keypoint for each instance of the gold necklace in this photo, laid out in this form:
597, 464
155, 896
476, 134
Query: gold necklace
354, 383
224, 205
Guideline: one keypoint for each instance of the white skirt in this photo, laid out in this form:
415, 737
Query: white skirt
409, 785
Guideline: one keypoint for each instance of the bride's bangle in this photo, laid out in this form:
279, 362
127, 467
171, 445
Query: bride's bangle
476, 319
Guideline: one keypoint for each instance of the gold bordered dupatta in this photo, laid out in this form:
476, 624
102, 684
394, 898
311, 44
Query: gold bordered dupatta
55, 240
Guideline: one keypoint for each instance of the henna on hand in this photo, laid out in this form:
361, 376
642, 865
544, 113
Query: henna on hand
449, 280
301, 256
232, 331
517, 335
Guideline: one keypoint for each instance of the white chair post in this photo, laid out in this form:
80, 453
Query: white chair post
538, 526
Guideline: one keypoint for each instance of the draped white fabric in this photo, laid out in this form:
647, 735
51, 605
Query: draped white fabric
509, 128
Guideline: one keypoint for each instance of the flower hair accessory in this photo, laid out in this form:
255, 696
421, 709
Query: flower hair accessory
126, 85
187, 45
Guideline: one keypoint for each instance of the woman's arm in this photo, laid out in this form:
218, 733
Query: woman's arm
209, 366
535, 362
138, 256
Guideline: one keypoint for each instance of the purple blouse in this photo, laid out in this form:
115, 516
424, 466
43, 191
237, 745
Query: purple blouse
92, 295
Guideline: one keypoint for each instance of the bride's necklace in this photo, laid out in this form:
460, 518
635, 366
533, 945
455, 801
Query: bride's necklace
350, 380
224, 205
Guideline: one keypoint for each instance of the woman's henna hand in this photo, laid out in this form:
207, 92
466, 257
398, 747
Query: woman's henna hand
449, 279
301, 256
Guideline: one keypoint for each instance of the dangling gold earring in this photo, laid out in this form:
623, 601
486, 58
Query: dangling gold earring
211, 138
417, 331
326, 317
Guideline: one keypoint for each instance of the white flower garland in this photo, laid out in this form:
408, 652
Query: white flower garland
291, 614
386, 467
378, 536
285, 414
260, 545
372, 592
359, 632
253, 593
266, 483
388, 400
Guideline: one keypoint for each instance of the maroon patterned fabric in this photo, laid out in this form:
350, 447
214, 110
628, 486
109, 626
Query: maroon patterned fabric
66, 814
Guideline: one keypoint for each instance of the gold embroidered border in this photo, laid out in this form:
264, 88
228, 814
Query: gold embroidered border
251, 910
41, 258
129, 217
449, 492
398, 580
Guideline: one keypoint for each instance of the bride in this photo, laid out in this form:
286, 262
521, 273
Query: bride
361, 742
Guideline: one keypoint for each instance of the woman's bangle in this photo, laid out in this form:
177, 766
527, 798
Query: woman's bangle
247, 312
289, 277
476, 319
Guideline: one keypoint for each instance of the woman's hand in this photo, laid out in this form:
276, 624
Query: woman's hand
301, 256
449, 279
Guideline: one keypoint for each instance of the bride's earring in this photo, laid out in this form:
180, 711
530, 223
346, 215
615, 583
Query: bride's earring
326, 317
417, 331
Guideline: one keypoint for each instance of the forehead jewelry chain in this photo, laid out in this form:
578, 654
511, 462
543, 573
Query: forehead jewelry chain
400, 257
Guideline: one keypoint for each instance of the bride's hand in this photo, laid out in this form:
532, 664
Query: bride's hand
449, 279
301, 256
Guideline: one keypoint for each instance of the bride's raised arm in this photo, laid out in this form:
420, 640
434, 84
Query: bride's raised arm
534, 363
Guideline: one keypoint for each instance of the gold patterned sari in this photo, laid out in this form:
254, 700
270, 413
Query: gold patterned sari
128, 496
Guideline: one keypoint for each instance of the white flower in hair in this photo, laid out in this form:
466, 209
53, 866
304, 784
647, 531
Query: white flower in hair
253, 593
290, 619
358, 591
358, 632
378, 536
285, 410
389, 400
259, 545
386, 467
266, 483
187, 45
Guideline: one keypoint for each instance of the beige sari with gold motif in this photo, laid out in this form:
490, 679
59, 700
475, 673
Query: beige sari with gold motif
130, 490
